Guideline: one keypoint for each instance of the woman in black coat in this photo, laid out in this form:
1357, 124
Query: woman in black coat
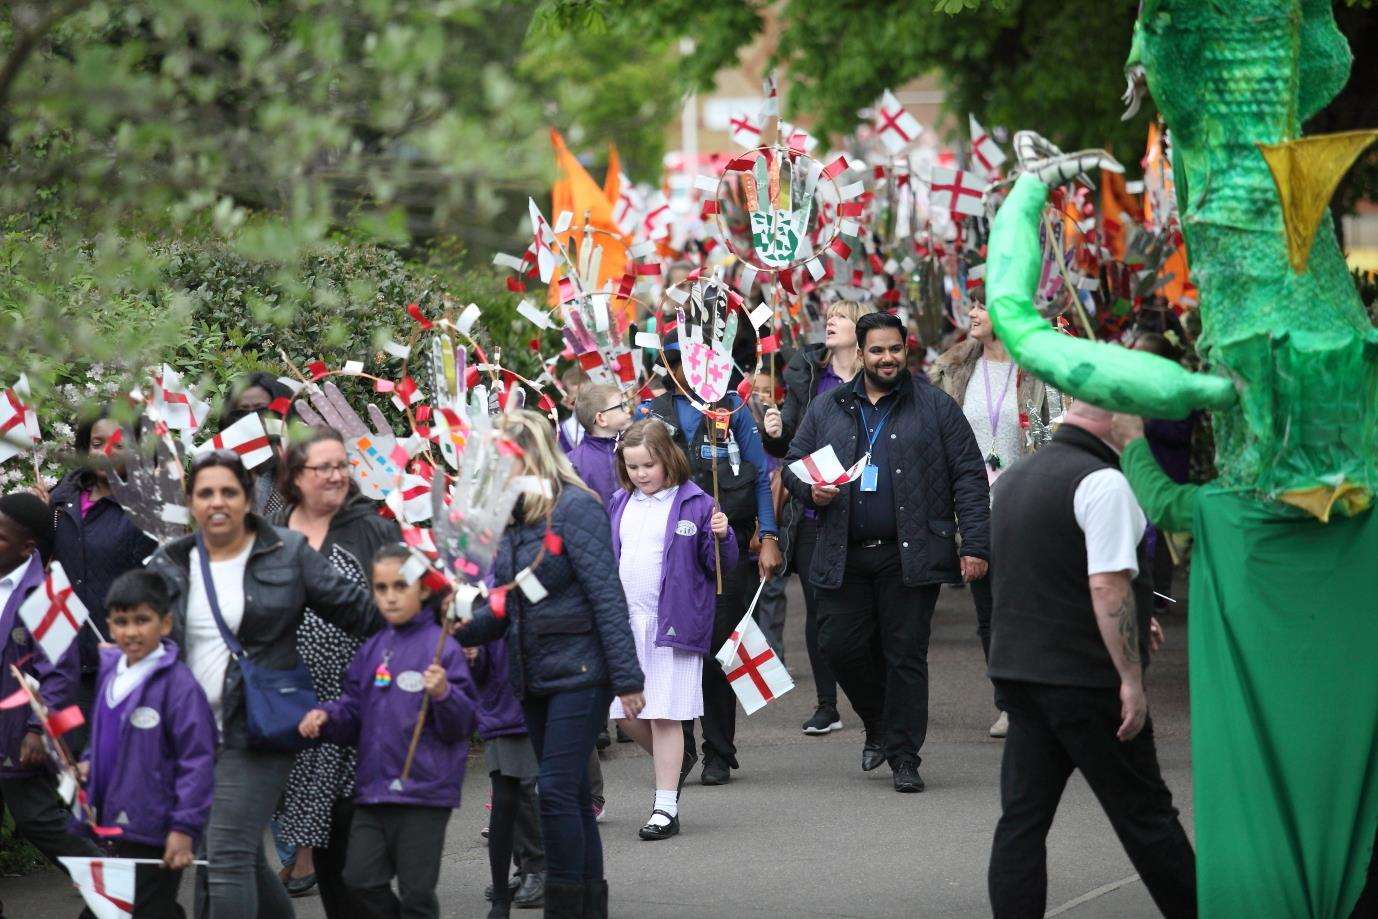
569, 653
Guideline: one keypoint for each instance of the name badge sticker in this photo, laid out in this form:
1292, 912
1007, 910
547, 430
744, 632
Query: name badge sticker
686, 528
408, 681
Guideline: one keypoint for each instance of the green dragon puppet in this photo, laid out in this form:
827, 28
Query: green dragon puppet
1283, 630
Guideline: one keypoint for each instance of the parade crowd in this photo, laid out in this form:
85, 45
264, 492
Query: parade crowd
657, 529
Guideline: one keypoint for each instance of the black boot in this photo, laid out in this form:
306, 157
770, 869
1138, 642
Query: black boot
501, 909
596, 899
563, 901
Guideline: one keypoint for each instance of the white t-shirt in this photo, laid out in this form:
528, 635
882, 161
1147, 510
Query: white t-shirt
207, 654
1112, 520
127, 677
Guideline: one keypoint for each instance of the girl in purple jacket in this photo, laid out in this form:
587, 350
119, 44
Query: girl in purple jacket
669, 539
399, 827
150, 765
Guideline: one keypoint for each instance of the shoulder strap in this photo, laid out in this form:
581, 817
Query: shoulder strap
209, 583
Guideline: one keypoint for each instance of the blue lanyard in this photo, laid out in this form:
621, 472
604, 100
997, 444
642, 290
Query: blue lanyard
871, 438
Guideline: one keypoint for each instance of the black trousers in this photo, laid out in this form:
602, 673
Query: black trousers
155, 887
874, 631
41, 817
983, 599
396, 840
336, 897
825, 684
719, 701
1053, 730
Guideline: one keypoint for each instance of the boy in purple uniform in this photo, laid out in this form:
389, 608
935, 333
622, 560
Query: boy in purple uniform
150, 766
27, 785
399, 827
603, 413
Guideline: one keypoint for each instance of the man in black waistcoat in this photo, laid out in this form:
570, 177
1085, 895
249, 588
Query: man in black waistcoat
886, 547
1069, 646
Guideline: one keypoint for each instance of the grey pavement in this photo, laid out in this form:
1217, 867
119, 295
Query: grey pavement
802, 832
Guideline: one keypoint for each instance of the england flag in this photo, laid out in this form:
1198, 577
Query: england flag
755, 671
54, 614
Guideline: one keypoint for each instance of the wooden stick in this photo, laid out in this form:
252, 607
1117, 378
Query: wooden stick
713, 442
421, 715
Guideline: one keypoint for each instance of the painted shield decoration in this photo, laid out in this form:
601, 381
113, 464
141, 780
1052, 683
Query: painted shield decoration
706, 370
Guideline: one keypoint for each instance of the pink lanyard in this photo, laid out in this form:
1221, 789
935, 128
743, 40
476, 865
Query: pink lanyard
993, 410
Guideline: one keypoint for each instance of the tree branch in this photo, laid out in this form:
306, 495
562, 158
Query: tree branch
26, 41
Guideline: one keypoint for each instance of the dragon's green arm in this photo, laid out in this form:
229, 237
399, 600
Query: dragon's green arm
1167, 504
1107, 375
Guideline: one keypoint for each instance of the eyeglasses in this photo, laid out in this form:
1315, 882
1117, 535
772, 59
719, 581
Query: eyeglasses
613, 408
325, 470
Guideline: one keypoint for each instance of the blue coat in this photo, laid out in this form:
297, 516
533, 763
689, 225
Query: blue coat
578, 635
595, 459
164, 775
57, 683
379, 720
499, 712
687, 583
94, 550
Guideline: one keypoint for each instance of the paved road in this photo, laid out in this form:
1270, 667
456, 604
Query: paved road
802, 832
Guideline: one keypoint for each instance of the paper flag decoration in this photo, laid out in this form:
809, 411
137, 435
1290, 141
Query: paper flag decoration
707, 370
745, 130
896, 128
957, 191
246, 437
174, 404
822, 467
106, 884
53, 613
752, 667
18, 423
1306, 172
985, 152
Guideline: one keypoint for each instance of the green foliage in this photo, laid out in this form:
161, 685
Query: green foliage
17, 856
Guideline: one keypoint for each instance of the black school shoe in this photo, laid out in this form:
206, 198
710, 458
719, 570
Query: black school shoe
654, 831
824, 721
907, 780
716, 770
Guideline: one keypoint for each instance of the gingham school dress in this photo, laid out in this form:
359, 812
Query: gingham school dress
674, 678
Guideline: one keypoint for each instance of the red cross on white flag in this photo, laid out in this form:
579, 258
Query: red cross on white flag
106, 884
656, 223
745, 130
18, 423
755, 671
174, 404
956, 191
626, 210
54, 614
985, 152
894, 125
247, 438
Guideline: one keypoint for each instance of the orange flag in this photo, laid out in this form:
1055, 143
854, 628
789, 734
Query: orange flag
612, 181
1180, 292
576, 191
1116, 204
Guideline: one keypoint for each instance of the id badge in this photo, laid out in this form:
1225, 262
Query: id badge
869, 476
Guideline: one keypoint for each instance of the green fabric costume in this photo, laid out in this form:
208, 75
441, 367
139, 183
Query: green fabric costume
1283, 629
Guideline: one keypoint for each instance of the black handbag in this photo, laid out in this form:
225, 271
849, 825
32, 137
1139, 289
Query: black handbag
274, 700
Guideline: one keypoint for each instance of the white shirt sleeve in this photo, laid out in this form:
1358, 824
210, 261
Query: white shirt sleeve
1112, 520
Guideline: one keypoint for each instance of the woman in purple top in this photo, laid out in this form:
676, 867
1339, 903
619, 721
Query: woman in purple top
813, 371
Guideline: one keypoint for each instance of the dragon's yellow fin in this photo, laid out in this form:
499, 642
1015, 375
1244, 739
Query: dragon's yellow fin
1306, 172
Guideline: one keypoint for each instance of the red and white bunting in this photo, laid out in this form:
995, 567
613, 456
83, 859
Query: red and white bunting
247, 438
985, 152
756, 673
53, 613
957, 191
896, 128
745, 130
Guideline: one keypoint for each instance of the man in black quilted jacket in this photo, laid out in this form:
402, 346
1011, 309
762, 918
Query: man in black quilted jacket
887, 540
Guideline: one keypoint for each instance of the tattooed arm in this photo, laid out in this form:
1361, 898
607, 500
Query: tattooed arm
1119, 629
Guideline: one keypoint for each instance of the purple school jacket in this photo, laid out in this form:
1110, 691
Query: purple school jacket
57, 683
164, 775
499, 712
594, 460
687, 582
379, 720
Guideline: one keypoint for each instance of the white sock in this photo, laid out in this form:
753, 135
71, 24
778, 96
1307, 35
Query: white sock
665, 801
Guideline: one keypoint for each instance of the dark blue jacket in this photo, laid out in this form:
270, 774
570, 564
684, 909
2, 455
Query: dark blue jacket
687, 584
94, 550
499, 712
164, 774
380, 719
578, 635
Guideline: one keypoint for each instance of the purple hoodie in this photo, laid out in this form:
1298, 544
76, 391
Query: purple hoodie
379, 720
499, 712
687, 583
594, 459
57, 683
164, 759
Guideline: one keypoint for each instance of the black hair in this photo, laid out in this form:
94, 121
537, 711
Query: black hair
263, 380
1157, 343
872, 321
390, 552
138, 587
225, 459
86, 424
31, 514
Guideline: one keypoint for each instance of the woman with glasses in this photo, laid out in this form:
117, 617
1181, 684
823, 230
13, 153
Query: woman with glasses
323, 503
262, 579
